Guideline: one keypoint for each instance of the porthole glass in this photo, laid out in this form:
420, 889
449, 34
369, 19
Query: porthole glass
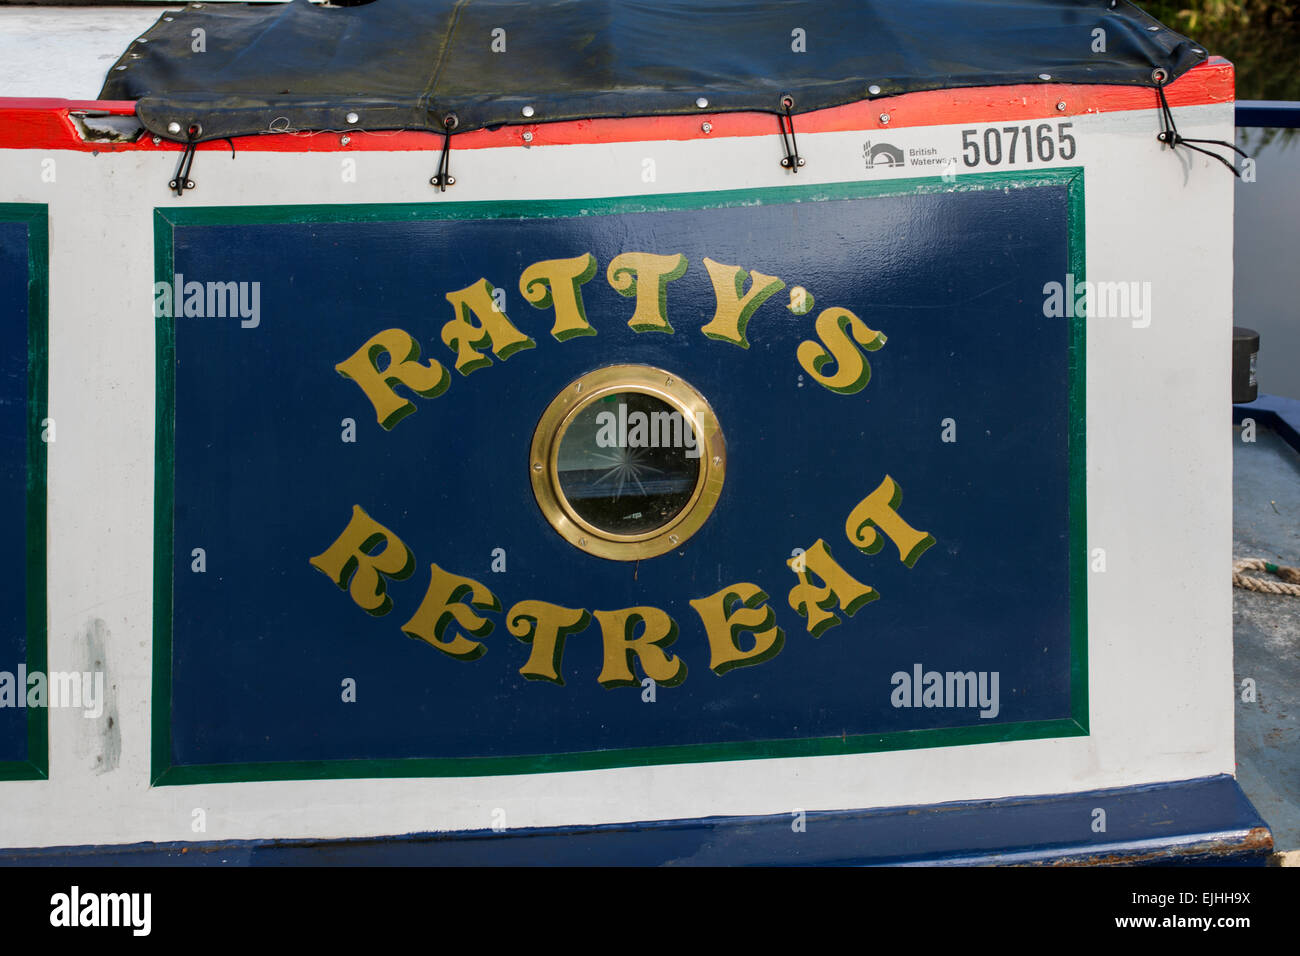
627, 462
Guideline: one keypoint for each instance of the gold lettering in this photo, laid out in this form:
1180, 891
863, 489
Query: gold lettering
443, 605
723, 625
838, 587
733, 309
545, 626
646, 276
658, 630
429, 381
352, 557
493, 329
879, 510
852, 371
558, 283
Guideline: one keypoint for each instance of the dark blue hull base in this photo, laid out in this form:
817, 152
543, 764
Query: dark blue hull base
1203, 822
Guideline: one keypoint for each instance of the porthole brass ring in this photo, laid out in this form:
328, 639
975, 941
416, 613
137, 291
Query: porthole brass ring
544, 473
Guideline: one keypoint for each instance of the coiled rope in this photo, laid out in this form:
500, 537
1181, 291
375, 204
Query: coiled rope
1289, 583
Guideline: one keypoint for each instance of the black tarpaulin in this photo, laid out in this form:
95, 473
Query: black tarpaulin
407, 64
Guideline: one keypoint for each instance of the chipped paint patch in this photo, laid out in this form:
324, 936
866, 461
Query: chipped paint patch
99, 739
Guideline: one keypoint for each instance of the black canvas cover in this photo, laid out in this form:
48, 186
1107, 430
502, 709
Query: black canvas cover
233, 70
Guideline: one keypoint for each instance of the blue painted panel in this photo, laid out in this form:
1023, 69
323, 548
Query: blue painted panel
262, 640
14, 268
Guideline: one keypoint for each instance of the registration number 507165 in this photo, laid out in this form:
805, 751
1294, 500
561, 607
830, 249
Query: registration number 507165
1018, 144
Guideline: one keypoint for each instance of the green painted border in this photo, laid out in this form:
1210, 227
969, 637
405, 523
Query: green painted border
164, 498
164, 774
1077, 441
36, 216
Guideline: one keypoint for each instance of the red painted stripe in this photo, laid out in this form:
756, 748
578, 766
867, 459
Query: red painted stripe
45, 123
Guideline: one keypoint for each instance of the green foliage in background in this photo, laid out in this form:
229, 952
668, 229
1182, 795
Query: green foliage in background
1260, 37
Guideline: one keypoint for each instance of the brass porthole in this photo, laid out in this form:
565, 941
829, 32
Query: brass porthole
627, 462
